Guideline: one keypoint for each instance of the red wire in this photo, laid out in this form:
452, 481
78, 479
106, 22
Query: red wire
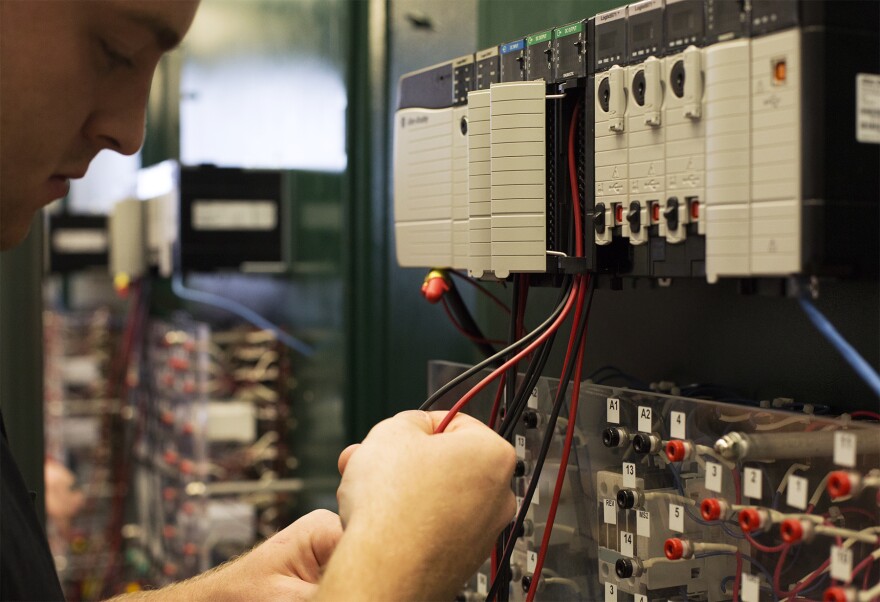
482, 289
506, 365
566, 447
575, 391
461, 329
737, 486
766, 549
865, 414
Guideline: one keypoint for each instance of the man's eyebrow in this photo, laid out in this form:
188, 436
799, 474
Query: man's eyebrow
166, 37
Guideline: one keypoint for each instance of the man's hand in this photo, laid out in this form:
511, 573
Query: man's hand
421, 511
286, 567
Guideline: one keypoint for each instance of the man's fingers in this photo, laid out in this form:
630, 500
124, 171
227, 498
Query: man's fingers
345, 456
458, 423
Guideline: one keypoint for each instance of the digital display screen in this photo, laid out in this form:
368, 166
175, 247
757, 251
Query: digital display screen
643, 32
607, 41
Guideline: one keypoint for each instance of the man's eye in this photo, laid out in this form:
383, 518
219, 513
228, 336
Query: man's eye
116, 58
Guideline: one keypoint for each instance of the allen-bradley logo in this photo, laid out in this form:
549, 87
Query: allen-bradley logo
416, 120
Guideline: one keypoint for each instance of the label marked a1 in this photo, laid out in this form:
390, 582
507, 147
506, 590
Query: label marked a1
613, 410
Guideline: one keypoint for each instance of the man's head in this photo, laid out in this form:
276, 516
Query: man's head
74, 80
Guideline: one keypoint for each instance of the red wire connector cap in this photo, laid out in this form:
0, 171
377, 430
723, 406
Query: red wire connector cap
839, 484
676, 450
434, 286
791, 530
673, 548
750, 519
710, 509
835, 594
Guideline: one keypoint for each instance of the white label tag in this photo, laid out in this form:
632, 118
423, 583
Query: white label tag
645, 421
610, 592
610, 511
713, 477
234, 215
482, 584
533, 399
752, 483
629, 475
613, 411
641, 598
845, 449
677, 422
626, 544
676, 518
868, 108
520, 441
79, 240
796, 492
643, 523
841, 563
531, 561
751, 588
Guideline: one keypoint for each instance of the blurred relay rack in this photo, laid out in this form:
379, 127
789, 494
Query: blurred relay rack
212, 468
703, 138
673, 498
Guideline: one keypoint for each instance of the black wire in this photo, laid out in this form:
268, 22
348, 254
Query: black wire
536, 368
511, 338
545, 445
501, 354
466, 320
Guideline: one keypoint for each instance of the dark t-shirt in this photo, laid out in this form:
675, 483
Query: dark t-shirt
27, 571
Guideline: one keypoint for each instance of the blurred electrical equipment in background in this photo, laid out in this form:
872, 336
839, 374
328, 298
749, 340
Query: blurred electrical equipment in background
82, 418
665, 139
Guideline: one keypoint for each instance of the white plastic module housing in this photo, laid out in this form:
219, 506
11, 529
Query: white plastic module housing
460, 212
518, 166
479, 185
423, 183
611, 158
728, 159
685, 140
645, 159
775, 158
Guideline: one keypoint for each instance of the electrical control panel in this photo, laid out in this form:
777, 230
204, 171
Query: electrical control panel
716, 139
667, 496
233, 219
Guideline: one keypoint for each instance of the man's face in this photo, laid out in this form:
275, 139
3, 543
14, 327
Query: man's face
74, 80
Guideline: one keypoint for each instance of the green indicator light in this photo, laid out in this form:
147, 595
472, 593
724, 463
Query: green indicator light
539, 37
568, 30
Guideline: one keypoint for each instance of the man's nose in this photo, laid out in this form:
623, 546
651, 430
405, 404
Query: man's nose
119, 118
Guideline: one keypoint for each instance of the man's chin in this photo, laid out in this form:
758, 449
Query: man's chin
12, 234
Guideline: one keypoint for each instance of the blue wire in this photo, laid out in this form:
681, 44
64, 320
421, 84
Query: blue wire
751, 561
858, 363
234, 307
687, 509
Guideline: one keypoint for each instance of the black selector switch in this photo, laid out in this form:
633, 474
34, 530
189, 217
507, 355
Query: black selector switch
670, 214
624, 568
599, 218
634, 216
